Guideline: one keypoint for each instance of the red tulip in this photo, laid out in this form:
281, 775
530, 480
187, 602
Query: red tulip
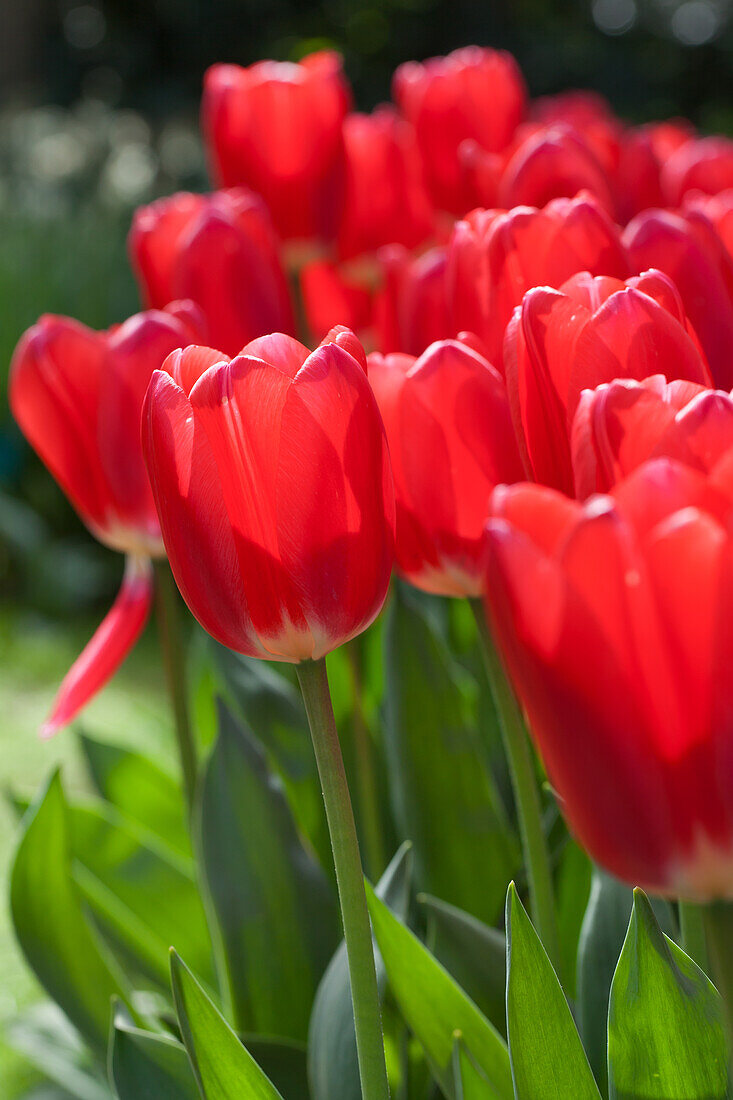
704, 164
272, 479
613, 617
277, 127
386, 201
410, 308
592, 330
495, 256
623, 423
332, 294
687, 248
77, 396
219, 250
643, 152
718, 209
451, 441
473, 93
553, 162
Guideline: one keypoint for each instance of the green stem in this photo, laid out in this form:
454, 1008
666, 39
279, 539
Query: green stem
692, 927
718, 921
349, 876
366, 771
167, 606
526, 793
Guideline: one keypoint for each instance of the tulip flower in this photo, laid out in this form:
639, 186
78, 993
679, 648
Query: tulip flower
643, 152
553, 162
77, 395
613, 619
590, 116
272, 480
472, 94
704, 164
219, 250
495, 256
410, 309
451, 441
276, 127
718, 209
385, 201
592, 330
686, 247
331, 294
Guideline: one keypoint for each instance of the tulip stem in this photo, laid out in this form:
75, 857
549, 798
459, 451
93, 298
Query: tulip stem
692, 929
526, 793
350, 879
718, 921
169, 631
366, 772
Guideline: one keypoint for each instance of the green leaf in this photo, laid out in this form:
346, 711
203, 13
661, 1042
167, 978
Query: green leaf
223, 1067
142, 894
283, 1061
473, 952
547, 1057
46, 1039
601, 939
332, 1062
470, 1083
140, 789
146, 1066
434, 1007
59, 944
574, 878
666, 1039
443, 794
275, 907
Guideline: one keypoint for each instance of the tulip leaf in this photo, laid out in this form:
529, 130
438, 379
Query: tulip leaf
601, 938
666, 1039
469, 1082
473, 952
443, 794
143, 895
333, 1068
59, 944
140, 789
275, 908
146, 1066
223, 1067
574, 877
546, 1054
283, 1061
434, 1006
44, 1037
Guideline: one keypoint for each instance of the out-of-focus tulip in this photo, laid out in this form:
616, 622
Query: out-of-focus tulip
705, 164
718, 209
590, 116
473, 93
623, 423
276, 127
688, 249
495, 256
272, 479
77, 395
613, 617
219, 250
592, 330
410, 308
643, 152
555, 162
332, 294
451, 441
386, 201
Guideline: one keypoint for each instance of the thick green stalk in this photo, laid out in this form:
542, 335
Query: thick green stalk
169, 630
366, 771
526, 793
692, 927
349, 876
718, 921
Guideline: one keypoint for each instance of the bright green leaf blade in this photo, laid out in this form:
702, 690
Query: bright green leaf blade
601, 938
142, 894
473, 952
275, 907
574, 878
223, 1067
332, 1061
140, 789
469, 1082
666, 1039
444, 797
58, 942
547, 1057
434, 1007
146, 1066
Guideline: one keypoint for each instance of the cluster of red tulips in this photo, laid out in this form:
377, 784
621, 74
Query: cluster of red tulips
484, 340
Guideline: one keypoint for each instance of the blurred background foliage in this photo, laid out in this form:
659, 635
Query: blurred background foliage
99, 113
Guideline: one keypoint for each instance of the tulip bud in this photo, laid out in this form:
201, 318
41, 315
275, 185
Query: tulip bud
272, 479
